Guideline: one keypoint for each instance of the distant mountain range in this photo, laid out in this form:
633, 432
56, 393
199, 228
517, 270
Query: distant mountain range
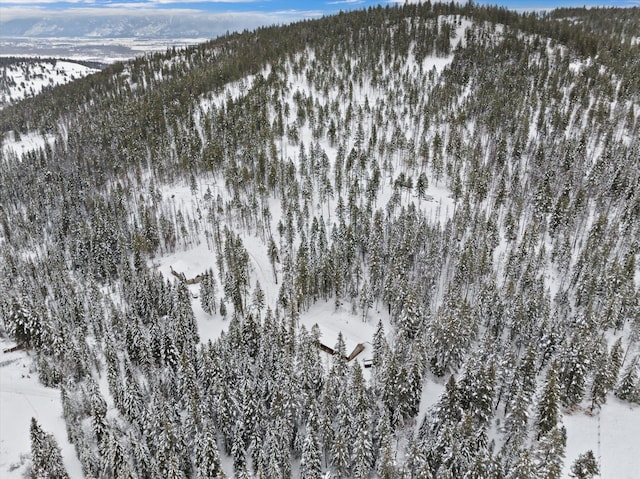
151, 25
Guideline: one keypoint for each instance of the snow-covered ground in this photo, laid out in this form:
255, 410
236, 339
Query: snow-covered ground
22, 397
25, 143
26, 79
102, 50
611, 433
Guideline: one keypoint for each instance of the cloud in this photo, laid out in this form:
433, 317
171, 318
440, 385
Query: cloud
28, 9
64, 5
346, 2
134, 4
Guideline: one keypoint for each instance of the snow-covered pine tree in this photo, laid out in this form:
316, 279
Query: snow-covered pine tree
628, 389
311, 461
207, 457
585, 466
45, 455
548, 407
209, 292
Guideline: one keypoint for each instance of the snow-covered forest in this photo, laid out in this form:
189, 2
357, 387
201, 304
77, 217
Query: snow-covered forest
394, 243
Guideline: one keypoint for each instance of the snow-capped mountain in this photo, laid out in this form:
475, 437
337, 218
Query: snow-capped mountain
163, 25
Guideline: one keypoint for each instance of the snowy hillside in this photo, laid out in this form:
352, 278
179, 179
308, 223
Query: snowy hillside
23, 78
400, 243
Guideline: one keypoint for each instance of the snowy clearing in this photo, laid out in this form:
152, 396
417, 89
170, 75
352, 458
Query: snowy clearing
26, 79
22, 397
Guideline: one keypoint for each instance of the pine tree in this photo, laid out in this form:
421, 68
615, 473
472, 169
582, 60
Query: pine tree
585, 467
238, 444
549, 453
411, 320
362, 453
572, 373
257, 299
207, 457
477, 390
548, 407
524, 468
386, 464
340, 455
208, 292
448, 410
339, 365
392, 386
366, 299
517, 419
311, 464
45, 453
172, 468
273, 257
380, 355
422, 185
606, 374
416, 464
629, 387
142, 457
23, 325
113, 461
98, 409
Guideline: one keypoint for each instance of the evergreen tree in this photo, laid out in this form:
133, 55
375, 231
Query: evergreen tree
208, 292
113, 460
45, 454
524, 468
340, 459
548, 406
386, 463
585, 467
549, 453
207, 458
98, 408
258, 299
448, 409
366, 299
22, 324
362, 452
339, 365
416, 464
628, 388
606, 374
310, 464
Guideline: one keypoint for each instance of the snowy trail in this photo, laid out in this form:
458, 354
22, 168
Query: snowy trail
262, 269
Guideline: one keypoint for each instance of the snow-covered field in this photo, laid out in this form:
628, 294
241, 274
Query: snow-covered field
25, 143
611, 433
26, 79
22, 397
102, 50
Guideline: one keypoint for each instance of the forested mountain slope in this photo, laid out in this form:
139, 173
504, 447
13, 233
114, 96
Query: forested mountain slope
455, 188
